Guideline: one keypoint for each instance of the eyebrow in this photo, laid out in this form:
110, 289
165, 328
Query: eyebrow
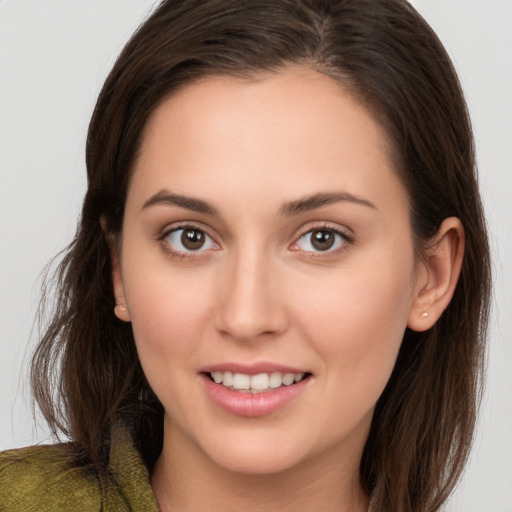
189, 203
288, 209
322, 199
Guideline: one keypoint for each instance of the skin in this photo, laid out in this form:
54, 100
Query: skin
258, 290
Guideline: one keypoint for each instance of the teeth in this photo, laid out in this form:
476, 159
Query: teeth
288, 378
259, 381
276, 380
227, 379
241, 381
255, 383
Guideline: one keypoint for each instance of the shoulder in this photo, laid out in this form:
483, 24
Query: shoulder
43, 478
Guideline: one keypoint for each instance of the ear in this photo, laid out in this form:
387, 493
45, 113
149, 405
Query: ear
120, 309
437, 281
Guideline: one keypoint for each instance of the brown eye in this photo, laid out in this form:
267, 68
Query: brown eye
322, 240
189, 239
192, 239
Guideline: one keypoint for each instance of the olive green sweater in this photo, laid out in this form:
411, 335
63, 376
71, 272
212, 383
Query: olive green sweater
41, 479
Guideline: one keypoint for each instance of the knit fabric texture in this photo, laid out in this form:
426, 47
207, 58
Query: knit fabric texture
43, 479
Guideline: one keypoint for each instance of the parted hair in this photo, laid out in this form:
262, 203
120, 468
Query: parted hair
86, 375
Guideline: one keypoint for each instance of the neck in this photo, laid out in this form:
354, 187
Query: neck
185, 480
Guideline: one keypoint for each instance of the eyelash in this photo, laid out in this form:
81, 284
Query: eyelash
181, 255
341, 239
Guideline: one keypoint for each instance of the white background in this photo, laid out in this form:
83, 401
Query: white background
54, 55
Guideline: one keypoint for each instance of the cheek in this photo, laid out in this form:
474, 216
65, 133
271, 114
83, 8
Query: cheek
169, 316
169, 311
357, 316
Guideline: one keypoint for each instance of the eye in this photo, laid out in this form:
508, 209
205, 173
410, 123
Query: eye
321, 240
189, 240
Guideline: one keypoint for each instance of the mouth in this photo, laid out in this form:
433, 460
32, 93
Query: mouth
254, 390
258, 383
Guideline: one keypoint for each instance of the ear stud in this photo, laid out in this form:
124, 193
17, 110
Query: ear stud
424, 314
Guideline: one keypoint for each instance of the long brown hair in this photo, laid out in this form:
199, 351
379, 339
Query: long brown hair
85, 373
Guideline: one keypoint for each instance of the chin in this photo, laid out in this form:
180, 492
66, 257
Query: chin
257, 453
261, 463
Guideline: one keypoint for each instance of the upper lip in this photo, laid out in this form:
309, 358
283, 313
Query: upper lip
251, 369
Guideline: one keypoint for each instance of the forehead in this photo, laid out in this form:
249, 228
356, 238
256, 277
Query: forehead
295, 130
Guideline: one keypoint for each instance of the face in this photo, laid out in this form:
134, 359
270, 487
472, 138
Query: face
267, 267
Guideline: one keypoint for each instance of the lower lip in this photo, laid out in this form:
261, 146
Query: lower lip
252, 404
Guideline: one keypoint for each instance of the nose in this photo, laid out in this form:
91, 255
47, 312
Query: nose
250, 302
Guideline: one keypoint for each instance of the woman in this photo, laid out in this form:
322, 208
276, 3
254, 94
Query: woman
278, 292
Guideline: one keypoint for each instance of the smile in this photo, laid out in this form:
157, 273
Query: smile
254, 391
259, 383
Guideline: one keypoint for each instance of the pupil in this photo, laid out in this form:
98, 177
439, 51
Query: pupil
192, 239
322, 240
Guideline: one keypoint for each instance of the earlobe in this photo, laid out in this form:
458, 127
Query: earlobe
436, 286
120, 309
